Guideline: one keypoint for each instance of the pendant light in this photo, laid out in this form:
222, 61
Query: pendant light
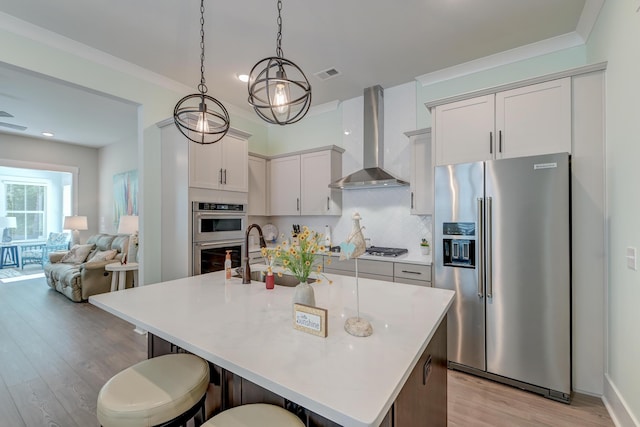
278, 89
200, 117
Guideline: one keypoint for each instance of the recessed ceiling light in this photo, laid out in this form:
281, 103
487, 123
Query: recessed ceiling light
347, 132
243, 77
47, 133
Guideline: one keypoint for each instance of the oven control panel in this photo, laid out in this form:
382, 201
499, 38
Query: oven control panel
218, 207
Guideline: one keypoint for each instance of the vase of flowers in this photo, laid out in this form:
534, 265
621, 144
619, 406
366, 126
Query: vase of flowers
299, 260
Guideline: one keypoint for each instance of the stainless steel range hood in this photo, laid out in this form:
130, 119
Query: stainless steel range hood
372, 175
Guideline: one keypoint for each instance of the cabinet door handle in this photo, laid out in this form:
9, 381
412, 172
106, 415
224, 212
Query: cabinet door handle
411, 272
490, 142
298, 204
220, 179
500, 141
412, 200
328, 203
225, 176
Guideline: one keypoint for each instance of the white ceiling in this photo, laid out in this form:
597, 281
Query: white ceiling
368, 41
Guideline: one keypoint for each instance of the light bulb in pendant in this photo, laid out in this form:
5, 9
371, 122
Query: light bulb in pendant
203, 124
281, 94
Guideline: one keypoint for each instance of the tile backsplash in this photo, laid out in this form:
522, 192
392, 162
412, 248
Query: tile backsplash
385, 218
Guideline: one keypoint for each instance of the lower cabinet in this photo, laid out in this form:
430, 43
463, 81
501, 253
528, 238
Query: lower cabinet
368, 269
412, 274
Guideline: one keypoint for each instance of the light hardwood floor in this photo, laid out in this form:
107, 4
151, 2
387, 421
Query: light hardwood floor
55, 355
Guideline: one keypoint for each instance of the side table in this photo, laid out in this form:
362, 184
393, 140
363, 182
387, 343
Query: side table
119, 281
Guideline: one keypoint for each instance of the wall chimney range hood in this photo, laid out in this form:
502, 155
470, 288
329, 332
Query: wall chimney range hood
372, 175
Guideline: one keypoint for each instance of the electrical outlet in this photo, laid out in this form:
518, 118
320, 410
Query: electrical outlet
631, 258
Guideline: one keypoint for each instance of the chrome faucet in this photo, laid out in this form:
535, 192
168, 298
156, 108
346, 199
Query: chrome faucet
246, 271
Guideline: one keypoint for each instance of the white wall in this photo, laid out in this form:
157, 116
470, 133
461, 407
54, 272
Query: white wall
47, 152
115, 158
615, 39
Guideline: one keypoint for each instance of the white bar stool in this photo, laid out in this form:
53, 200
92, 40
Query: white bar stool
163, 391
255, 415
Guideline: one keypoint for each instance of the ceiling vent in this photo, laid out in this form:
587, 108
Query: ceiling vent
10, 126
327, 74
5, 114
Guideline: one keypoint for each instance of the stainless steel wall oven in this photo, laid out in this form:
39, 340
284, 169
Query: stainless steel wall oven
217, 227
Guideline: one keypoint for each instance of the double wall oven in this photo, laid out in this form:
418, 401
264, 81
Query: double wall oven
217, 228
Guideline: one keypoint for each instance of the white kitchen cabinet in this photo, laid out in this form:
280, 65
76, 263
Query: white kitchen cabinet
421, 202
412, 274
317, 171
299, 184
220, 166
534, 119
525, 121
284, 188
257, 186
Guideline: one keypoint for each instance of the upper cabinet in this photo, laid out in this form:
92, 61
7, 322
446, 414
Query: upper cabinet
525, 121
421, 202
299, 184
258, 186
284, 188
220, 166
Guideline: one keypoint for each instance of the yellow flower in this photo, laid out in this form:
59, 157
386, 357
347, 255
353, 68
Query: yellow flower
278, 253
307, 263
279, 273
319, 268
305, 228
263, 251
302, 236
269, 270
322, 248
292, 250
278, 248
331, 282
285, 262
285, 243
328, 261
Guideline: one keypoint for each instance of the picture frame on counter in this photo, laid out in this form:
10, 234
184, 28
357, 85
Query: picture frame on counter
312, 320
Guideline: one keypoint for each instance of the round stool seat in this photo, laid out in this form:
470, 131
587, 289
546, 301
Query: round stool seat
153, 391
255, 415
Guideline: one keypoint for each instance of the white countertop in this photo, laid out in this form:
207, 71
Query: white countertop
248, 330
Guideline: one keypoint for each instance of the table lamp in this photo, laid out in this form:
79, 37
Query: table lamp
75, 223
7, 222
129, 225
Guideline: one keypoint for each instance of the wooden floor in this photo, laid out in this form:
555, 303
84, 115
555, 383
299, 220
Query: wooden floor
55, 355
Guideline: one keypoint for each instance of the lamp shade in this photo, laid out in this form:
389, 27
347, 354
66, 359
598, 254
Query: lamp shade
8, 222
128, 224
75, 223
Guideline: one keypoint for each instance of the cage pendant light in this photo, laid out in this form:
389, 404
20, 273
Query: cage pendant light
278, 89
200, 117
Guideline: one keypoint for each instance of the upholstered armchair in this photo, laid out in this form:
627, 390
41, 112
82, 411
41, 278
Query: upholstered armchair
39, 253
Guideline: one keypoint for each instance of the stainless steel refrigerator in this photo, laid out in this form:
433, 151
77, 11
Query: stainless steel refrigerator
502, 243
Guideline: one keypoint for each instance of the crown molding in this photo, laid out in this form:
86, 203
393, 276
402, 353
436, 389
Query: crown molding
588, 18
543, 47
65, 44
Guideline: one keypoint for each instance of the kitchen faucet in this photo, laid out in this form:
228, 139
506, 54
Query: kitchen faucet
246, 271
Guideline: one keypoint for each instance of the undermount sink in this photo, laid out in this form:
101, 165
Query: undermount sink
285, 280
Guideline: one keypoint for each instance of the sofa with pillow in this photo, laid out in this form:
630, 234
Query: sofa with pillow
80, 273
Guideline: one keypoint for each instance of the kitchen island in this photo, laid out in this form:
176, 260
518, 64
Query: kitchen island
248, 331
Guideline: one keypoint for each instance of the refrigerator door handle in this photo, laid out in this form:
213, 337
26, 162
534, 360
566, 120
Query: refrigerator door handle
481, 247
489, 251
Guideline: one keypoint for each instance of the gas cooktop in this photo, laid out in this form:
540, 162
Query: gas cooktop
382, 251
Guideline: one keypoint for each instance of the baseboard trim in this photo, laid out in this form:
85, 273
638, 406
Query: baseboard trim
617, 406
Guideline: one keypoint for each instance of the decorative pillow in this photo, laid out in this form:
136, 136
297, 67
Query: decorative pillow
103, 255
77, 254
